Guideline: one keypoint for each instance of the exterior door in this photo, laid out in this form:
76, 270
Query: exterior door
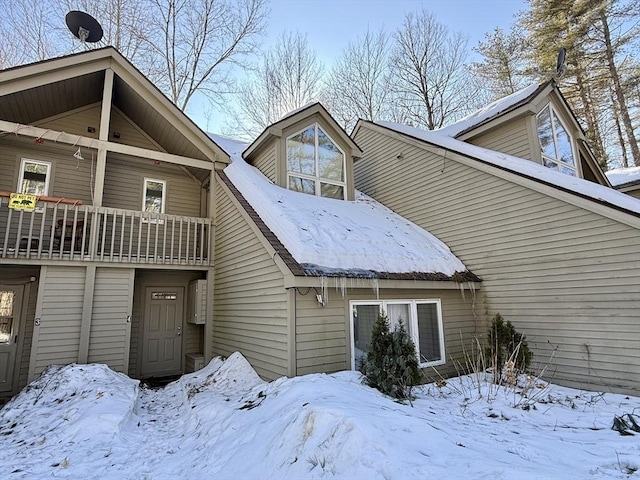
162, 332
10, 311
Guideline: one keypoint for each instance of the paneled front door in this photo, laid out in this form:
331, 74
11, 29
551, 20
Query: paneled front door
10, 310
162, 332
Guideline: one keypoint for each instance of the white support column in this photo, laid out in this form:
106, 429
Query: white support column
105, 116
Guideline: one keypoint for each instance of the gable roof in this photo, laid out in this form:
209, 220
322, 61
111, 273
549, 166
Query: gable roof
318, 236
72, 81
624, 177
494, 110
590, 191
275, 130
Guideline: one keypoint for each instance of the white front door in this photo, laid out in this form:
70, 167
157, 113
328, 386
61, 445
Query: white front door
162, 332
10, 310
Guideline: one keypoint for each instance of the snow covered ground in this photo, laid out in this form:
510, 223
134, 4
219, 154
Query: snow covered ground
223, 422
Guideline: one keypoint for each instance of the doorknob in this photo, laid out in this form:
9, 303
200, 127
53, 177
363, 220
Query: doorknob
179, 331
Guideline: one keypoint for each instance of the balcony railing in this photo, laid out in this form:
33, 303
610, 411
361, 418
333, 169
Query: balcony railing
64, 231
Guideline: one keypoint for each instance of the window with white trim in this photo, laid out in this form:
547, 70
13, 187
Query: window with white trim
421, 318
315, 163
154, 195
34, 177
555, 142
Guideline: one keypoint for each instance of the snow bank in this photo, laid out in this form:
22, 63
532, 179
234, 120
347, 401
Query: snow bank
620, 176
362, 235
85, 400
223, 422
523, 167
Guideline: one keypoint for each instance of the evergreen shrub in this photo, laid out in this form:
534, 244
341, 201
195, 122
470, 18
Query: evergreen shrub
506, 345
391, 365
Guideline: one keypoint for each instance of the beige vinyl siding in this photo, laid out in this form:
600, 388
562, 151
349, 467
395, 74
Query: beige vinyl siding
111, 299
250, 307
75, 122
130, 134
266, 162
511, 138
565, 276
123, 186
194, 338
136, 329
60, 313
70, 177
323, 337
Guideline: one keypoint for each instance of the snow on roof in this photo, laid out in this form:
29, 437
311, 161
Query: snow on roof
490, 111
523, 167
622, 176
360, 235
296, 110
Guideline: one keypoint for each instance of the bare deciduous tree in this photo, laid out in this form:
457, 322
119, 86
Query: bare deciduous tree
199, 40
289, 77
359, 82
125, 26
30, 31
428, 66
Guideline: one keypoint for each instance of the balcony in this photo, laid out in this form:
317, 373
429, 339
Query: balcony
68, 231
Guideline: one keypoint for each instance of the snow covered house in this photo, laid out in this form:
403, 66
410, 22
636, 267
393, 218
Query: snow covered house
123, 241
515, 192
625, 180
99, 269
304, 263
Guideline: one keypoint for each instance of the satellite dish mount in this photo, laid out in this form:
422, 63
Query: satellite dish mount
561, 67
83, 26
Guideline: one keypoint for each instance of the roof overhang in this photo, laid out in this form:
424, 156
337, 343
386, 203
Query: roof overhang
275, 130
596, 205
131, 89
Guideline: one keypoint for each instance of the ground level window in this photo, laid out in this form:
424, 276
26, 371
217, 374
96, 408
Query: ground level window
421, 318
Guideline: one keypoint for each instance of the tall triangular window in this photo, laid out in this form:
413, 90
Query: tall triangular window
315, 164
555, 142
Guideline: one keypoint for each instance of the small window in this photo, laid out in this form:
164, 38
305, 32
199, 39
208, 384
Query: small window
7, 299
315, 164
154, 195
34, 177
421, 318
555, 142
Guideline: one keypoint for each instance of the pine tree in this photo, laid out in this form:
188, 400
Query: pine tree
392, 362
504, 68
594, 56
506, 344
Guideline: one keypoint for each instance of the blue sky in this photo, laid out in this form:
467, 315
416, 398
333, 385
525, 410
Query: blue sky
331, 24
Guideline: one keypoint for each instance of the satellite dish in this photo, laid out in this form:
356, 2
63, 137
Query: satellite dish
560, 65
84, 26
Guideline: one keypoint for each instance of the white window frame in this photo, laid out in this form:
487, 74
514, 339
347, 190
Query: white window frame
144, 200
316, 178
560, 163
411, 325
47, 179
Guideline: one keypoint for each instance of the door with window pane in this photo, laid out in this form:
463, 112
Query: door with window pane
10, 302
